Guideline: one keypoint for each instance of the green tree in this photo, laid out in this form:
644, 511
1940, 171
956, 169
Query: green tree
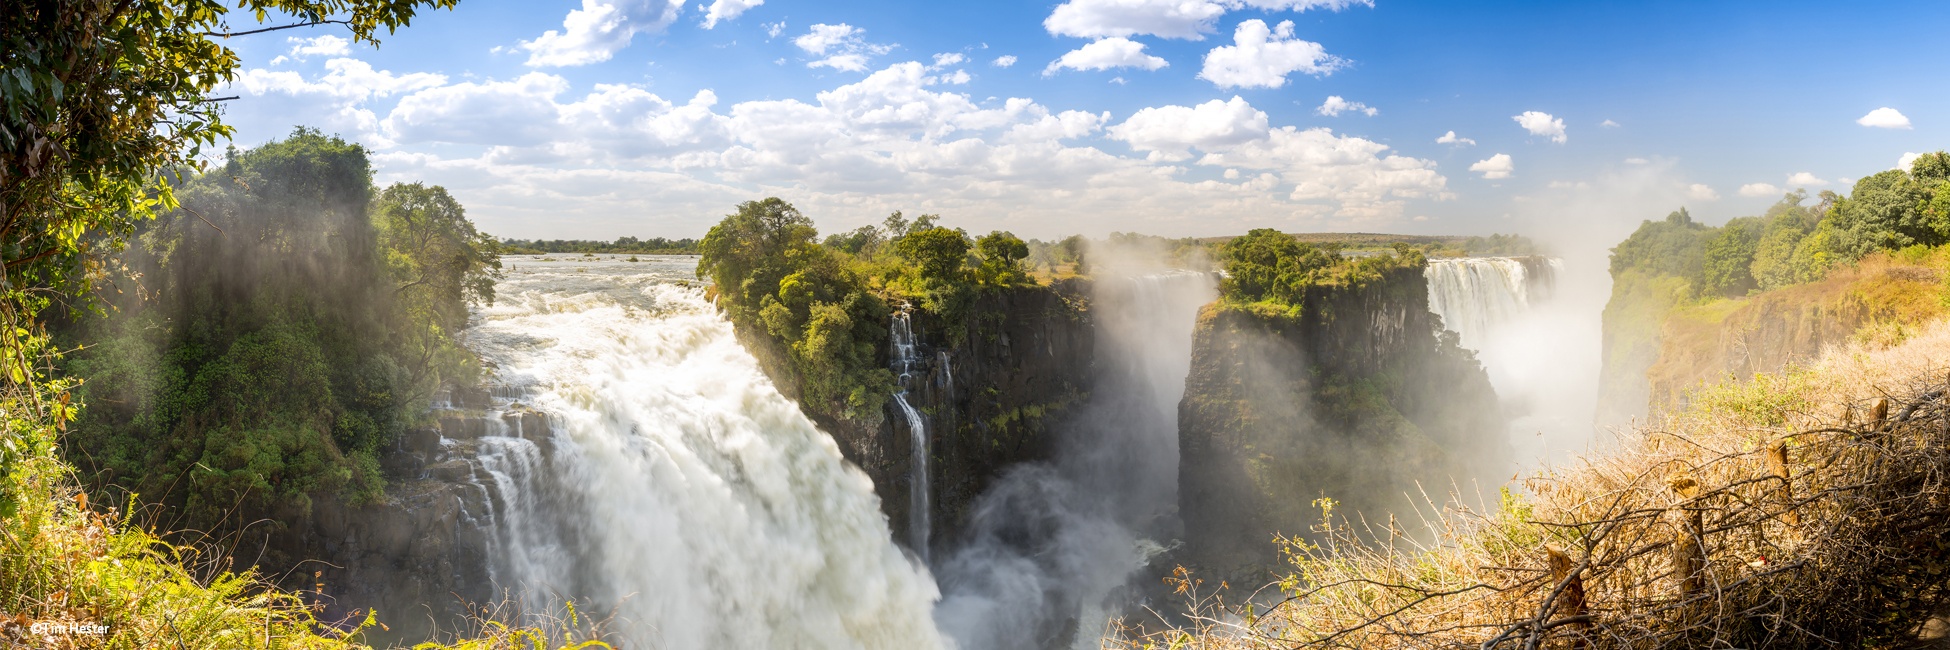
940, 253
859, 241
1002, 254
1728, 257
1267, 265
750, 251
1675, 246
1886, 211
96, 97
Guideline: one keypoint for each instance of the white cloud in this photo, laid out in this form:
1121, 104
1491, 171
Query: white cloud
1804, 180
1004, 61
1186, 19
1701, 192
348, 80
1495, 167
1541, 123
1885, 118
1170, 132
1608, 124
1262, 58
1450, 138
1104, 54
842, 46
1759, 189
727, 10
327, 45
1907, 159
521, 112
1334, 106
598, 30
1636, 161
946, 59
772, 30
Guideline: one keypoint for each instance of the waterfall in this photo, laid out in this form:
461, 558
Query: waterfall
903, 356
1052, 546
675, 488
1476, 295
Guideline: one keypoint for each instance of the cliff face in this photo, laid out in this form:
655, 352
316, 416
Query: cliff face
991, 399
1876, 303
1355, 400
1658, 347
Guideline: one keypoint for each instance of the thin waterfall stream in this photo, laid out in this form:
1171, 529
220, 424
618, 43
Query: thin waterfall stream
904, 355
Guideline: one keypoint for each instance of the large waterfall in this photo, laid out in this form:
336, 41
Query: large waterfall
676, 487
1050, 544
1533, 344
1476, 295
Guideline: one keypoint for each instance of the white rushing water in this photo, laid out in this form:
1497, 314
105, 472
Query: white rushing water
678, 488
1532, 345
903, 355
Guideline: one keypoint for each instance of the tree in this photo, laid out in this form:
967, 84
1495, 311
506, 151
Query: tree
1002, 254
1727, 259
862, 240
438, 261
939, 252
97, 97
1267, 265
1074, 247
749, 252
1886, 211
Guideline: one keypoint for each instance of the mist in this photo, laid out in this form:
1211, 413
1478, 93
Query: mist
1051, 547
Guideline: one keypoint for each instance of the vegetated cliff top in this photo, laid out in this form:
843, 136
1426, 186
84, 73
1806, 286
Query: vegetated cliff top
1273, 274
1801, 509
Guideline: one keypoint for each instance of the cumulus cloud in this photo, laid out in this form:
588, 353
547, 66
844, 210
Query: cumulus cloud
1186, 19
530, 150
1804, 180
1171, 132
1885, 118
1495, 167
1759, 189
1906, 160
772, 30
1541, 123
327, 45
1334, 106
1701, 192
1004, 61
841, 47
1608, 124
721, 10
1104, 54
1450, 138
599, 30
1262, 58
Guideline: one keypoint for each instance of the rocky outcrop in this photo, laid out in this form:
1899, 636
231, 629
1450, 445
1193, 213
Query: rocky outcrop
423, 558
1356, 399
992, 387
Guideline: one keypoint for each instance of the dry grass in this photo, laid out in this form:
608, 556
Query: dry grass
1780, 512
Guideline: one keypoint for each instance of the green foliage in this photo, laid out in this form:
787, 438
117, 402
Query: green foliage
1002, 255
939, 253
1501, 245
1891, 210
1268, 266
97, 97
1727, 259
287, 326
811, 300
863, 240
1675, 246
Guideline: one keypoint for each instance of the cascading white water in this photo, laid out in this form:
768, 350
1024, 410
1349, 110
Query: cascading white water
1525, 341
903, 355
1475, 295
683, 492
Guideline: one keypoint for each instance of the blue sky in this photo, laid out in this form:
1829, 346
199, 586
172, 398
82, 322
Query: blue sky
1177, 117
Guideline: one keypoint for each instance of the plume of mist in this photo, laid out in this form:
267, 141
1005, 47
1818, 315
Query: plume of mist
1051, 546
1545, 364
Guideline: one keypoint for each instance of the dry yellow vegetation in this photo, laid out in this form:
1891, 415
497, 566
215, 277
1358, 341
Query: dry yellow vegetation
1802, 508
